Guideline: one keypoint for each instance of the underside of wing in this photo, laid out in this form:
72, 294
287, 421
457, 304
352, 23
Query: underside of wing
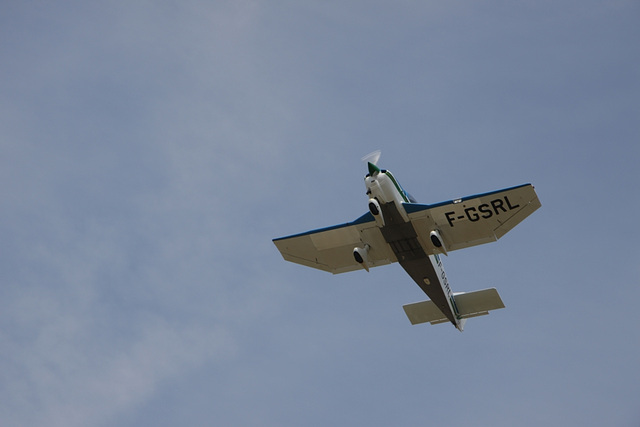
472, 220
331, 249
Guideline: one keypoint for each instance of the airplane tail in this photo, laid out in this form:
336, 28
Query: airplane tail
468, 304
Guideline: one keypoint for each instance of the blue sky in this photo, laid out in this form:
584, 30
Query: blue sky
150, 151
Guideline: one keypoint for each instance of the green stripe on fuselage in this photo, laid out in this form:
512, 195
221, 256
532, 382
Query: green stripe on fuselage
398, 187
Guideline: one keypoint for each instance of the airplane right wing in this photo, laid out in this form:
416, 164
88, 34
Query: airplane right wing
473, 220
331, 249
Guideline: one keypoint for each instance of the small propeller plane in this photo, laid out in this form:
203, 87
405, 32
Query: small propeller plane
398, 229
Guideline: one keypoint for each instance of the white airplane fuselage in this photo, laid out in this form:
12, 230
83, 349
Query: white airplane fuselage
386, 198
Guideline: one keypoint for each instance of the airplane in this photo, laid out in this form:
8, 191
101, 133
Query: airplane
398, 229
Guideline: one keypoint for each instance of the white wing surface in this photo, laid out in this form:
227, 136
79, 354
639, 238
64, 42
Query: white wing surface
331, 249
472, 220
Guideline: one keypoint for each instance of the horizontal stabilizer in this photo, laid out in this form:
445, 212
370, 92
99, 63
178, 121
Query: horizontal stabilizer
472, 304
424, 311
469, 304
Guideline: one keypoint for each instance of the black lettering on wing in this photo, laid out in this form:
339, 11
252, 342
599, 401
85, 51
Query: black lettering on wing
471, 214
450, 217
509, 203
498, 204
485, 210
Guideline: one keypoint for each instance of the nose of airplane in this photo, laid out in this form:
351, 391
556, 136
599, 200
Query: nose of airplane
373, 169
372, 159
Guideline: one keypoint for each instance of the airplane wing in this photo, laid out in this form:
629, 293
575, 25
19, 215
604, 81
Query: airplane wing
331, 249
472, 220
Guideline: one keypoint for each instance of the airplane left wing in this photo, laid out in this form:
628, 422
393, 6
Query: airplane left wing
472, 220
331, 249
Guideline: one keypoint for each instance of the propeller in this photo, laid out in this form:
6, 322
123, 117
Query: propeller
372, 157
372, 161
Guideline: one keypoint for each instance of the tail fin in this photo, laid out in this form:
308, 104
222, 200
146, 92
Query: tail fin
468, 304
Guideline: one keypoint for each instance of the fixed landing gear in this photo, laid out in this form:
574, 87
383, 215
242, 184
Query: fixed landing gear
361, 255
374, 207
376, 211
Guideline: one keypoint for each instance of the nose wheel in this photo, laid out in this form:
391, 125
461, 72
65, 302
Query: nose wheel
373, 208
